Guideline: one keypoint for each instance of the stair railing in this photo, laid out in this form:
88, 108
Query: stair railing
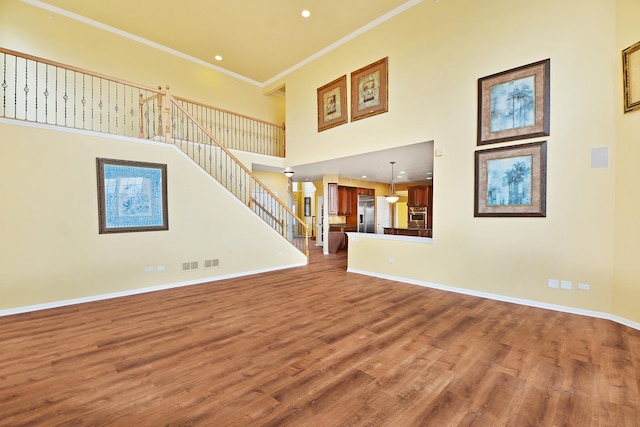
236, 131
38, 90
198, 142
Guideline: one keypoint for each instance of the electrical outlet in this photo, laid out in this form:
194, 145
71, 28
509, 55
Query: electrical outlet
160, 268
584, 286
148, 269
554, 283
565, 284
390, 260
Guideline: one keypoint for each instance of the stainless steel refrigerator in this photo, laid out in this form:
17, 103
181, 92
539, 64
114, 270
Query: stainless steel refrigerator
366, 211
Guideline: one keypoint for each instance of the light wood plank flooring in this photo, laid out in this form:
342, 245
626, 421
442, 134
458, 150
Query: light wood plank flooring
315, 346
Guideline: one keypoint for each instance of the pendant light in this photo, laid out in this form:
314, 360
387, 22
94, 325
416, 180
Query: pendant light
392, 197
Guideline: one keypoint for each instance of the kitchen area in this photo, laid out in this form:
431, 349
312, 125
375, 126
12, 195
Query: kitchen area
353, 209
419, 213
350, 209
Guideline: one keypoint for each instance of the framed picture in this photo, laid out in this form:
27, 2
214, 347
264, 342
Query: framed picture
631, 70
511, 181
332, 104
132, 196
307, 206
514, 104
369, 90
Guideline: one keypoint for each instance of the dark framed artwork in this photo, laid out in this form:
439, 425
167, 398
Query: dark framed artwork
132, 196
369, 90
332, 104
307, 206
511, 181
631, 70
514, 104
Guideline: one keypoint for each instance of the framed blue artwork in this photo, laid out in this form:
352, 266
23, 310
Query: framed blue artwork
514, 104
132, 196
511, 181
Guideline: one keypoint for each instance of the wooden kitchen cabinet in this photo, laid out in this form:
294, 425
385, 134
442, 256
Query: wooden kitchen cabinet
366, 191
419, 195
347, 200
332, 198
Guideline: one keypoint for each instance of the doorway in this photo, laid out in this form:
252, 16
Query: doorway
383, 214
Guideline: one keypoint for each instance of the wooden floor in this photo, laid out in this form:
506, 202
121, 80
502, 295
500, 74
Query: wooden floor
315, 346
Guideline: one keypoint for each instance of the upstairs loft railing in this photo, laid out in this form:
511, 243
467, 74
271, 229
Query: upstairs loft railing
47, 92
42, 91
236, 131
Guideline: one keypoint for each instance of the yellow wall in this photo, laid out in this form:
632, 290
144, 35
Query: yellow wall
437, 51
626, 289
52, 250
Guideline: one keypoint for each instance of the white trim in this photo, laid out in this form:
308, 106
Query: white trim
94, 298
60, 128
96, 24
353, 237
347, 38
344, 40
496, 297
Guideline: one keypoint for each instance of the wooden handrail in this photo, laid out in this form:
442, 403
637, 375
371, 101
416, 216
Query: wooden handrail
269, 214
76, 69
234, 158
222, 110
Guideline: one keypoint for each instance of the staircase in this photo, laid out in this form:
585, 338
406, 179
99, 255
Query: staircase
41, 91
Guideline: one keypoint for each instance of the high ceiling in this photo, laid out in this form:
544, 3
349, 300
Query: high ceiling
257, 39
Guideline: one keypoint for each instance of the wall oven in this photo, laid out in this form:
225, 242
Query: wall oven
417, 217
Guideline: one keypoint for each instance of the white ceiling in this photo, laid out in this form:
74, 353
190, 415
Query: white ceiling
413, 163
259, 41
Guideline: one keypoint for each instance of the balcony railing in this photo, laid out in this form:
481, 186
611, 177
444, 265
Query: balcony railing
236, 131
42, 91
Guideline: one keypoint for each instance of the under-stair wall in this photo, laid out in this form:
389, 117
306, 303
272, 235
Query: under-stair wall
52, 252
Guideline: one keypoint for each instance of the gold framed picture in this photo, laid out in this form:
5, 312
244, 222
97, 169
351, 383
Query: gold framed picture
369, 90
511, 181
332, 104
631, 70
514, 104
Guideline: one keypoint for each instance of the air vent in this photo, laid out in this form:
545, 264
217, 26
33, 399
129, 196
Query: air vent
210, 263
190, 265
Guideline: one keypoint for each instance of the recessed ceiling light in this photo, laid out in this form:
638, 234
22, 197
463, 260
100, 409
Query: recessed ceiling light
305, 13
218, 58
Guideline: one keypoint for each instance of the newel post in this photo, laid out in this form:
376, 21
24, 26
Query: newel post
166, 115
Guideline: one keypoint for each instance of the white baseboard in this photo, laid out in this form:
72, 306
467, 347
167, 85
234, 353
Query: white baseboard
63, 303
497, 297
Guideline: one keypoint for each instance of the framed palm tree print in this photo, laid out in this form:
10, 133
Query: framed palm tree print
514, 104
511, 181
